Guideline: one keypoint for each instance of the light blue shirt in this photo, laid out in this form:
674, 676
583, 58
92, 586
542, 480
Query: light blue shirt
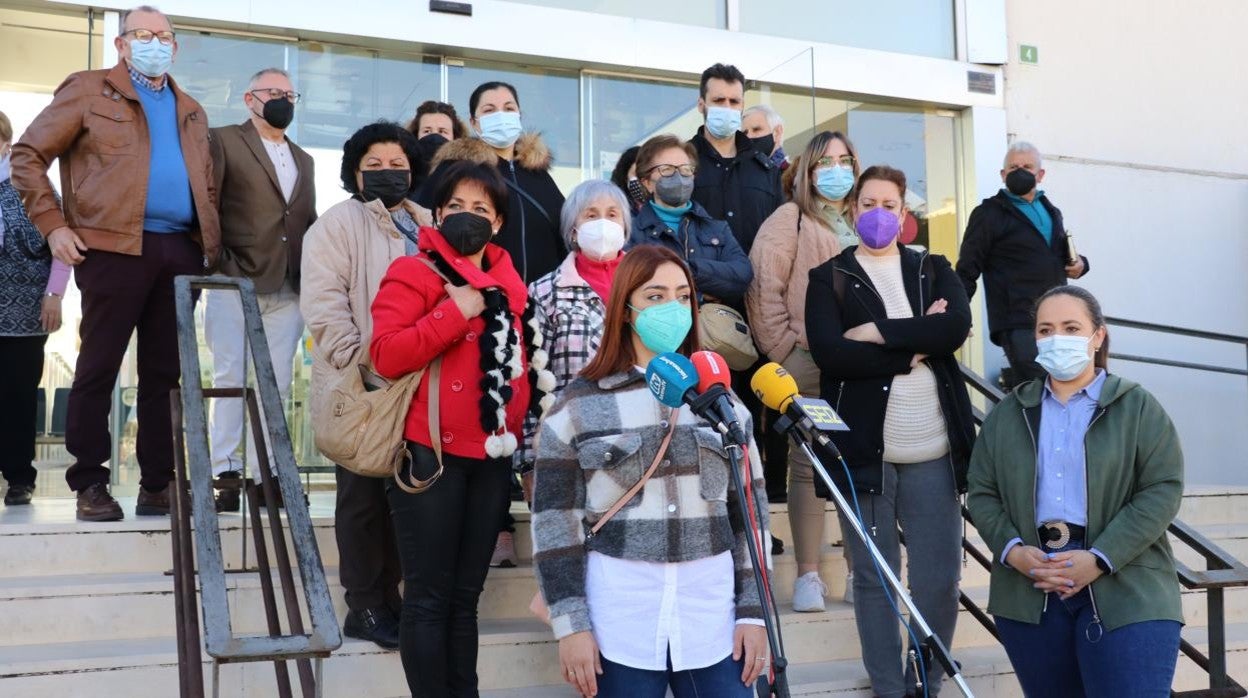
1061, 461
1036, 213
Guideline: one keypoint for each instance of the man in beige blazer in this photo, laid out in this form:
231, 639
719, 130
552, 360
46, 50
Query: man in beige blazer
267, 198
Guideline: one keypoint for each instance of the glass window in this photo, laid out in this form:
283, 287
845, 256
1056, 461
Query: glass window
550, 104
624, 112
216, 69
345, 88
922, 27
702, 13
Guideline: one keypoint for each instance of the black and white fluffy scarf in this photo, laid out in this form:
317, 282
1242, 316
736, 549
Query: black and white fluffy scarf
501, 363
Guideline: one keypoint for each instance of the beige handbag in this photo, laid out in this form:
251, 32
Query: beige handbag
722, 329
361, 426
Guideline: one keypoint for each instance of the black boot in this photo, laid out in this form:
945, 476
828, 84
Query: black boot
377, 625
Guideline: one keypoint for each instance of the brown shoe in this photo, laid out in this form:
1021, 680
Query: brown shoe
96, 504
154, 503
504, 550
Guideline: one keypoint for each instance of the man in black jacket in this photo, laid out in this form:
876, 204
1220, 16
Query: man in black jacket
1016, 240
734, 182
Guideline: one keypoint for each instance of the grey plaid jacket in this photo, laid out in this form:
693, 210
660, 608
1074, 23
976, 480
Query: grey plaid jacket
571, 316
596, 442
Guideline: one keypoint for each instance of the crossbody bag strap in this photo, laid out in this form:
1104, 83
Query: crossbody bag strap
632, 491
408, 483
529, 198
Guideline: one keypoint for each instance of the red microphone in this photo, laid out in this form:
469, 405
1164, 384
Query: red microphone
712, 370
714, 387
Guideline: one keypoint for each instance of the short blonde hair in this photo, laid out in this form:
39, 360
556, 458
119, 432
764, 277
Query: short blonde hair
6, 129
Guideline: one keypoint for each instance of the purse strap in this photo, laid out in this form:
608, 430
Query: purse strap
632, 491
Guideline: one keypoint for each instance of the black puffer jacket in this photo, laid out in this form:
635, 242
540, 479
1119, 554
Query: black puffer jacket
720, 267
855, 377
742, 191
1007, 249
531, 233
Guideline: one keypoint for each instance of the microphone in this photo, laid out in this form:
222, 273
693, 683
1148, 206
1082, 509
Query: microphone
713, 383
776, 389
673, 381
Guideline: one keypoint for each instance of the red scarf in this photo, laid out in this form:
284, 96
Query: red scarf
598, 274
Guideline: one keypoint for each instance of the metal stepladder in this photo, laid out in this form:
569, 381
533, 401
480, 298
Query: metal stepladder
201, 542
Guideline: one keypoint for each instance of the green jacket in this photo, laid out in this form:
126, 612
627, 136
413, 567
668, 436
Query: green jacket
1135, 485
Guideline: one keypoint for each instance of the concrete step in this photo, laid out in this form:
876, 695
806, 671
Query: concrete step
514, 662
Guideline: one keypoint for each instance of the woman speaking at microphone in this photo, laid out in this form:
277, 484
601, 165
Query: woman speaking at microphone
891, 319
662, 594
1074, 480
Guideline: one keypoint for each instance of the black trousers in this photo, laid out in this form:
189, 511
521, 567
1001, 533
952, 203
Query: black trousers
446, 538
774, 445
122, 293
368, 557
1020, 351
21, 367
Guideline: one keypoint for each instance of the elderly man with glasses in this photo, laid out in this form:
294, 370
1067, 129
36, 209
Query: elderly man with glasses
265, 188
137, 207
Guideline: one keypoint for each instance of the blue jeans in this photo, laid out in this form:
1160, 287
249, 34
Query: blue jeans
1058, 657
722, 680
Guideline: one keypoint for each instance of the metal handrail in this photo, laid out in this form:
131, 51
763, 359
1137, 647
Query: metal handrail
1223, 570
1172, 329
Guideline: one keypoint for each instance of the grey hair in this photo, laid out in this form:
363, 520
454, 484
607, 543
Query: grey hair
125, 16
267, 71
582, 196
773, 117
1021, 147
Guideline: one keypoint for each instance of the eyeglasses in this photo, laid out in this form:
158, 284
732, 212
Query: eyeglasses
274, 93
669, 170
143, 36
846, 161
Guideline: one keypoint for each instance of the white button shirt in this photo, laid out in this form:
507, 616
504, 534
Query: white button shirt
284, 163
642, 610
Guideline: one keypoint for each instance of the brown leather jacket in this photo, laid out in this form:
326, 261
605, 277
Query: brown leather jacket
96, 126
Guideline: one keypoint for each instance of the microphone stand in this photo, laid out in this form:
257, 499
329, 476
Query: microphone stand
780, 688
927, 638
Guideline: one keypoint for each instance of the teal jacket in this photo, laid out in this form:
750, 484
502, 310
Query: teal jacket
1135, 485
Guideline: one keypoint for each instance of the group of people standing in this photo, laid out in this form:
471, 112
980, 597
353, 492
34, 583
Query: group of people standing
533, 318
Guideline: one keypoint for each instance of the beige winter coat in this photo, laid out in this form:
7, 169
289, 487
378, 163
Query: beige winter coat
783, 257
345, 255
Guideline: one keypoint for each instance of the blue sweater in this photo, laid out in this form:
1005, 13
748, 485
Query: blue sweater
169, 207
1036, 213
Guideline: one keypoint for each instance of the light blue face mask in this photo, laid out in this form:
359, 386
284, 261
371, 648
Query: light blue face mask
501, 128
722, 122
152, 59
834, 182
663, 327
1063, 356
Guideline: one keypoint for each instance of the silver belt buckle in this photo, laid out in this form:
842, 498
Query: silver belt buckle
1063, 534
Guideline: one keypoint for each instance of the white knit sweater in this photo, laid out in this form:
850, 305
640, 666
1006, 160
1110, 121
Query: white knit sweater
914, 426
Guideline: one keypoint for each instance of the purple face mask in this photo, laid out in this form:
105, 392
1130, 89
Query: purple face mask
878, 228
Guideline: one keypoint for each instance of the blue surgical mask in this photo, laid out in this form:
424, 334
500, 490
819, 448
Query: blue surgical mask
4, 167
501, 128
834, 182
1063, 356
152, 59
662, 328
722, 122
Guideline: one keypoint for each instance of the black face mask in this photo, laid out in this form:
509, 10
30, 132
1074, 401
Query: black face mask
1020, 181
466, 232
637, 192
764, 144
388, 185
428, 148
278, 113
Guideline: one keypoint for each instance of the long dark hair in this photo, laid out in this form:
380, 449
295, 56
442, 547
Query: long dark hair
1092, 305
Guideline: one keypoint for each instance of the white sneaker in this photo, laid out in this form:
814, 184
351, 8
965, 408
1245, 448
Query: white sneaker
849, 589
808, 593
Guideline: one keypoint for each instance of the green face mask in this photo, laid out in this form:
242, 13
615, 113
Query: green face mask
663, 327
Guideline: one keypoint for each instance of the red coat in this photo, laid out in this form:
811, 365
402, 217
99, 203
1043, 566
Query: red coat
414, 321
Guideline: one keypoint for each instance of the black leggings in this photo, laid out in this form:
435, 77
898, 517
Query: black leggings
446, 537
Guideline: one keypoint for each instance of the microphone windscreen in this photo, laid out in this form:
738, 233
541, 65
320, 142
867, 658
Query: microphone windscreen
774, 386
712, 369
669, 376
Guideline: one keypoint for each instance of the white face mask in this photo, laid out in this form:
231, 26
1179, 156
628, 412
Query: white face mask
600, 239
